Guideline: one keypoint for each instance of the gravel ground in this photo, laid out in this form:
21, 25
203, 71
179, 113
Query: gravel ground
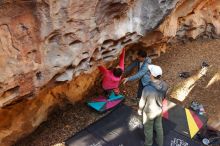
64, 122
189, 57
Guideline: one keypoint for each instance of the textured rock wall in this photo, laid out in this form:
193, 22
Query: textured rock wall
43, 41
50, 48
48, 45
192, 19
20, 119
20, 53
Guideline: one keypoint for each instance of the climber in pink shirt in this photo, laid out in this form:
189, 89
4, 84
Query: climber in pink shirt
111, 78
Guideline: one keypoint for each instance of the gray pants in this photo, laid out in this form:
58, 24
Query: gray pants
149, 127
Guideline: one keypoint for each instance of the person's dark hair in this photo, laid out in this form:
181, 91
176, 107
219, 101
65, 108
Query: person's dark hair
117, 72
142, 53
158, 77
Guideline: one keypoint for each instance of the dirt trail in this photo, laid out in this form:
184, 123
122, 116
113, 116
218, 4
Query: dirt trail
180, 57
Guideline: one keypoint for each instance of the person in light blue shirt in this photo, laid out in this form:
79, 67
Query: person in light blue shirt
142, 62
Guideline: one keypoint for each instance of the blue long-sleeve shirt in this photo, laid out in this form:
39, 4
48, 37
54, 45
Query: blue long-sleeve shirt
143, 72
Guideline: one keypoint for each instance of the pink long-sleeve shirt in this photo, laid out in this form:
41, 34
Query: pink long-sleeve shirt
109, 80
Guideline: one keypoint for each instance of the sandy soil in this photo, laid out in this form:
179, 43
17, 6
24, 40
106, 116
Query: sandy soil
180, 57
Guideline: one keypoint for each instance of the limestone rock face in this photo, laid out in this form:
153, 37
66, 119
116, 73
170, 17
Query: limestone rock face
43, 41
49, 49
20, 54
192, 19
188, 20
48, 45
22, 118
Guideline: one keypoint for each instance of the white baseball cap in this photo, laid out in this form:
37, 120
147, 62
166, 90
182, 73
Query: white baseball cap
155, 70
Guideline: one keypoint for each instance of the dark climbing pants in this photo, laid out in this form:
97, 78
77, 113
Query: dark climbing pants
149, 127
140, 89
